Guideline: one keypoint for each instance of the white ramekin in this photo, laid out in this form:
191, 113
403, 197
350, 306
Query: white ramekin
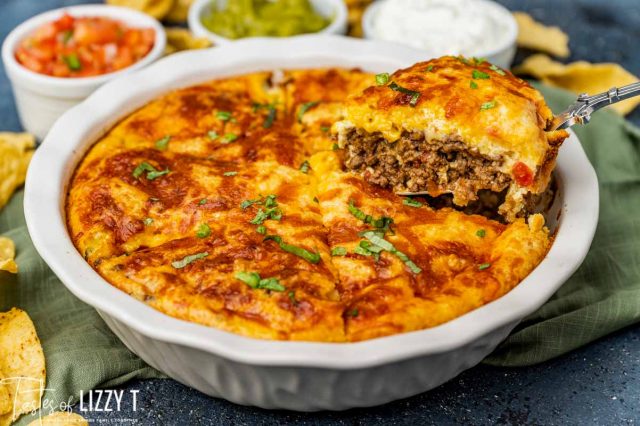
501, 55
41, 99
304, 376
336, 10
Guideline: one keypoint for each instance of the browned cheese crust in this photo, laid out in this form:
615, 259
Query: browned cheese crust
452, 125
176, 234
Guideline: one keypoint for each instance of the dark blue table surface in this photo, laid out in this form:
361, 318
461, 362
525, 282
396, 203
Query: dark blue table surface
598, 384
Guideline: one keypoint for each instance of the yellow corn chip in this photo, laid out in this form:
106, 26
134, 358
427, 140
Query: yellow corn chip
156, 8
61, 418
7, 256
16, 150
356, 9
179, 39
179, 11
536, 36
5, 401
22, 366
581, 77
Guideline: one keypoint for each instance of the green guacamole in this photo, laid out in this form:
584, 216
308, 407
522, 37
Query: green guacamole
271, 18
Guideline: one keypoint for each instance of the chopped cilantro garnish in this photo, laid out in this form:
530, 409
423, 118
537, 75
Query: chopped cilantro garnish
271, 116
353, 313
152, 172
202, 202
479, 60
383, 223
298, 251
73, 62
162, 144
271, 284
270, 200
213, 135
335, 147
261, 230
253, 280
304, 108
488, 105
67, 36
429, 68
260, 217
387, 246
362, 251
497, 70
157, 173
230, 173
179, 264
483, 266
325, 129
338, 251
141, 168
203, 231
473, 84
271, 210
414, 95
479, 75
228, 138
411, 202
147, 221
304, 167
382, 78
292, 297
248, 203
481, 233
367, 246
223, 115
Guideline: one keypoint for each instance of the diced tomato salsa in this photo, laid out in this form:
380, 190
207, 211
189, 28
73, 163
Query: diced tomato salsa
522, 174
84, 47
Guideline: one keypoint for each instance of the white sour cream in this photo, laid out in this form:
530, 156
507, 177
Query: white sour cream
443, 27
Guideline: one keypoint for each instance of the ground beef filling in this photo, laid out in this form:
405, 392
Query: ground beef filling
413, 164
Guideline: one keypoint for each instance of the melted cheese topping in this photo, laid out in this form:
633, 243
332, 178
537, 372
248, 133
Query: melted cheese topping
132, 230
470, 101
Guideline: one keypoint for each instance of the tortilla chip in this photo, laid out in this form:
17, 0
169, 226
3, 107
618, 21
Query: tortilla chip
156, 8
22, 366
179, 39
5, 401
7, 256
581, 77
179, 11
61, 418
536, 36
16, 150
356, 9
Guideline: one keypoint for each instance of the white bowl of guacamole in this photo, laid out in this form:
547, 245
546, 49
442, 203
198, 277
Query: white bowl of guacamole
223, 21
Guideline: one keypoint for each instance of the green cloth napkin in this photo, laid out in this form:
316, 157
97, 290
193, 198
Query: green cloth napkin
604, 294
601, 297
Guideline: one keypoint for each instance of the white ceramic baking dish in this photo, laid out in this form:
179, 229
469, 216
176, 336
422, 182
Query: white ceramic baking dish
274, 374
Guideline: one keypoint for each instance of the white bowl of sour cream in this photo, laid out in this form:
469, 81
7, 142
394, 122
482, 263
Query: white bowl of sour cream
480, 28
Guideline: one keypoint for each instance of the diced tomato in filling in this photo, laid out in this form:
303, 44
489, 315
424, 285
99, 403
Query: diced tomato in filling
83, 47
522, 174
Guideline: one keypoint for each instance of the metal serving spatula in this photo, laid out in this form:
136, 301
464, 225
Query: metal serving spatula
580, 111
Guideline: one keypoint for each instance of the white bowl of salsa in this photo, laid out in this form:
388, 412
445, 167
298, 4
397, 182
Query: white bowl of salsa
58, 58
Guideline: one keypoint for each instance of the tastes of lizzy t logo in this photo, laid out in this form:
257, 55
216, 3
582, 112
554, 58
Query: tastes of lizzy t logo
106, 400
